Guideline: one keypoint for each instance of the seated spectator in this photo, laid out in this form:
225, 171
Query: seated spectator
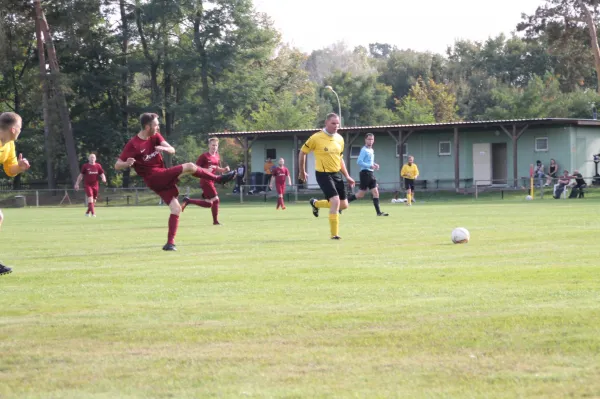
563, 182
552, 172
580, 184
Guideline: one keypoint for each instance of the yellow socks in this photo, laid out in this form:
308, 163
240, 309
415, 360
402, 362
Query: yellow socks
409, 199
334, 224
322, 204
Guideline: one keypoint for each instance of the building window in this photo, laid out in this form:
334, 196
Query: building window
444, 148
355, 151
271, 153
404, 150
541, 144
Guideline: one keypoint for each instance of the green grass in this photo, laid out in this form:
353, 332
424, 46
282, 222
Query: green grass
267, 306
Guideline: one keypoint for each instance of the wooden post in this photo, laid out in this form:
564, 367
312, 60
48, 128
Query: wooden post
47, 122
456, 161
60, 97
515, 138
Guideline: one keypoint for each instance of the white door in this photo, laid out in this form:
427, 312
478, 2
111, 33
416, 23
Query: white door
482, 164
310, 169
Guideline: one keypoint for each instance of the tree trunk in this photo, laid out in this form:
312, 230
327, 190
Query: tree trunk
203, 58
124, 81
47, 122
61, 100
589, 19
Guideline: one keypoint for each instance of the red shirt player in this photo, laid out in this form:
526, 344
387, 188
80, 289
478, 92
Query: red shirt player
212, 161
144, 153
280, 175
90, 173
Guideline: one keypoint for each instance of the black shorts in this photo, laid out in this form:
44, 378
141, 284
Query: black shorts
367, 180
409, 184
331, 184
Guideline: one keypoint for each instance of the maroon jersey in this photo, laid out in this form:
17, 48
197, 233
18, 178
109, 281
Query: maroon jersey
207, 161
91, 173
147, 159
280, 173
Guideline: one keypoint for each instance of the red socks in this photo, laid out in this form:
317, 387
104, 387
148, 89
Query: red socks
173, 224
215, 211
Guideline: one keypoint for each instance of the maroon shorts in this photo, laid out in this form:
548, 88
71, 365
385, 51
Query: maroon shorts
208, 189
91, 191
280, 188
164, 182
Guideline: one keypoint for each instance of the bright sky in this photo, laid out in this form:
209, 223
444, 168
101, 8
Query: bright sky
424, 25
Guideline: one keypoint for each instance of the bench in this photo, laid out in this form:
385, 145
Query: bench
467, 182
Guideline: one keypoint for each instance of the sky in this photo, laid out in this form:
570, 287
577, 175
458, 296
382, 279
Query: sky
422, 25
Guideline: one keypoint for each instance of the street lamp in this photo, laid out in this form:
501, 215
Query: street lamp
338, 100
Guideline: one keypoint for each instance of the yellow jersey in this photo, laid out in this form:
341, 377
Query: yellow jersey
8, 157
328, 149
409, 171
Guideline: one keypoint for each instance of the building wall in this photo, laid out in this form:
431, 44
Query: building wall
571, 147
587, 143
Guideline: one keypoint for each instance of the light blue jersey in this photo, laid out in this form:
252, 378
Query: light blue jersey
366, 159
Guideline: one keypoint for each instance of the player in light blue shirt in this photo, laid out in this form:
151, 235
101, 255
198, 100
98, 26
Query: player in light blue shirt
368, 182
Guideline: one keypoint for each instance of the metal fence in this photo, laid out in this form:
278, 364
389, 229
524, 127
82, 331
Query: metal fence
428, 190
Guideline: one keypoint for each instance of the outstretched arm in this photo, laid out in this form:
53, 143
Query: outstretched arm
166, 147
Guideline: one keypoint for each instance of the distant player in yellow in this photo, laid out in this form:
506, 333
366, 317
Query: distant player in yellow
10, 128
328, 147
410, 172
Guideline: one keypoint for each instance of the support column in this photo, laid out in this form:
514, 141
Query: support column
456, 161
514, 135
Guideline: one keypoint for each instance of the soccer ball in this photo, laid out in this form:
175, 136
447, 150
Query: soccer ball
460, 235
529, 198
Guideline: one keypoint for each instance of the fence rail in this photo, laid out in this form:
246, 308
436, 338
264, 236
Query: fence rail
139, 196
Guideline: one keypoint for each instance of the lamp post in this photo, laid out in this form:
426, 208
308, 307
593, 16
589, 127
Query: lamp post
338, 100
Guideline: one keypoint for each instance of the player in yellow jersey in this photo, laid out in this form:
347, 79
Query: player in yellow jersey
10, 128
328, 147
410, 172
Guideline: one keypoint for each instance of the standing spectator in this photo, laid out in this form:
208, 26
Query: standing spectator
538, 173
241, 177
268, 173
552, 172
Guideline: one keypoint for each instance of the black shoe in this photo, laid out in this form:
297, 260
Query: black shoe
217, 224
185, 202
383, 214
169, 247
4, 269
336, 238
315, 210
229, 176
340, 211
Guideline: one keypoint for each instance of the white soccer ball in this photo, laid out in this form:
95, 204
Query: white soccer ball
529, 198
460, 235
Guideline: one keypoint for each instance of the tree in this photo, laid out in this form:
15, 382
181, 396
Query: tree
568, 29
338, 58
428, 102
541, 98
363, 99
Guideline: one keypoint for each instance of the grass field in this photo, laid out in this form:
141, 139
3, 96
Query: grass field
267, 306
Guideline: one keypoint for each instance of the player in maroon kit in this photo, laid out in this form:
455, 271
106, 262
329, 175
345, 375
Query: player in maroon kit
212, 161
280, 175
90, 173
144, 153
